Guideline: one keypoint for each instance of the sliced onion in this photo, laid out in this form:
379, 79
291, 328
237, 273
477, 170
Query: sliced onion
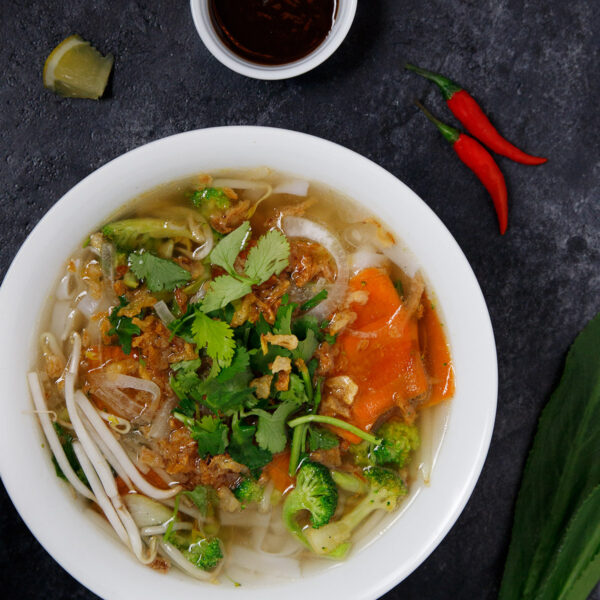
161, 529
365, 258
107, 261
88, 305
147, 512
160, 422
240, 184
136, 383
205, 248
305, 228
295, 187
66, 287
163, 312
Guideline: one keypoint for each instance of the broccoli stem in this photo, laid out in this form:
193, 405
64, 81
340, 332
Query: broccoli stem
298, 444
336, 423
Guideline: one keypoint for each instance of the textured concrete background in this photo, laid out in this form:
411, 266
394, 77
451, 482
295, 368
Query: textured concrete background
532, 65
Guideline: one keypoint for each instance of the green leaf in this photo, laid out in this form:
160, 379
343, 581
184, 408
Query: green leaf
579, 544
306, 347
209, 432
66, 441
160, 274
315, 300
296, 391
203, 496
561, 471
269, 257
123, 327
223, 290
586, 582
215, 336
226, 251
283, 318
321, 439
242, 449
271, 434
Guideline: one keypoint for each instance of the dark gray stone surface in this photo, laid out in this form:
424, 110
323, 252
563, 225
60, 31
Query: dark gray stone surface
532, 65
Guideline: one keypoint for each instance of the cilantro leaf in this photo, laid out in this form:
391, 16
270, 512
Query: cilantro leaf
321, 439
160, 274
242, 450
239, 365
209, 432
215, 336
283, 318
269, 256
123, 327
226, 251
66, 441
223, 290
183, 384
271, 434
306, 347
296, 391
203, 496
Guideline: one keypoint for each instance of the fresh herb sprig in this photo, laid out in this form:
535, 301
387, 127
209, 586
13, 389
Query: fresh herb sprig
269, 257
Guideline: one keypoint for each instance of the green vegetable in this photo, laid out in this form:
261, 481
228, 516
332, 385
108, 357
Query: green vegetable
66, 441
215, 336
242, 449
269, 257
385, 490
123, 327
349, 482
205, 554
314, 301
336, 423
133, 234
204, 497
321, 439
271, 431
315, 492
398, 441
210, 200
555, 546
248, 491
160, 274
210, 433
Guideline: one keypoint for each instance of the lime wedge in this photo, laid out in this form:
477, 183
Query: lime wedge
75, 69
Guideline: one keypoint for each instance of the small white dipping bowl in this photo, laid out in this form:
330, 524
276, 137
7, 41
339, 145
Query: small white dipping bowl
78, 542
203, 22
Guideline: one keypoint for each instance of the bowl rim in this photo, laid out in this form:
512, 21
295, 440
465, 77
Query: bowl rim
214, 44
472, 443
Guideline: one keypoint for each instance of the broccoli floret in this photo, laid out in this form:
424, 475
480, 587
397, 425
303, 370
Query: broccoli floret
205, 554
132, 234
315, 492
247, 491
385, 489
399, 440
210, 200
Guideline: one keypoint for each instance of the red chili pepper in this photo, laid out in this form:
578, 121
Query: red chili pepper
469, 113
481, 162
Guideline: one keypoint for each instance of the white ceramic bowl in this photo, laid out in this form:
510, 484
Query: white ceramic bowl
206, 30
46, 504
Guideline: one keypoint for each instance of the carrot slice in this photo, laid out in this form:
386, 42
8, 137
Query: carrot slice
381, 352
436, 353
278, 471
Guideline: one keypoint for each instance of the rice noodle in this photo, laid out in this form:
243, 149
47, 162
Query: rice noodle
51, 436
110, 457
244, 184
88, 305
67, 287
295, 187
265, 503
60, 313
91, 450
120, 454
305, 228
49, 343
135, 539
72, 322
260, 526
163, 312
160, 422
161, 529
101, 497
264, 562
179, 560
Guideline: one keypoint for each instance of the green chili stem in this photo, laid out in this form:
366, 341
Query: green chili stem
336, 423
448, 87
450, 133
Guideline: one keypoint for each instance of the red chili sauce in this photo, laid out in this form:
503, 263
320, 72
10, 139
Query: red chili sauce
273, 32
